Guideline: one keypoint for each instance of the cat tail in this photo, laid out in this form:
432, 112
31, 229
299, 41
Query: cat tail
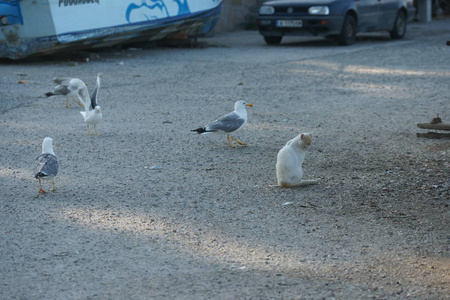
301, 183
308, 182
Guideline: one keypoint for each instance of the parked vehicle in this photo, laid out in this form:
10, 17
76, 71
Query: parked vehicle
339, 19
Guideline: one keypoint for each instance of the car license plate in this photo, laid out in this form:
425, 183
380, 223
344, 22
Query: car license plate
289, 23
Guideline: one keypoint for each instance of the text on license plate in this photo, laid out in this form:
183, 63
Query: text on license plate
289, 23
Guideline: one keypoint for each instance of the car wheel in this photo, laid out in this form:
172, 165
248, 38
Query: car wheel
273, 40
399, 29
348, 32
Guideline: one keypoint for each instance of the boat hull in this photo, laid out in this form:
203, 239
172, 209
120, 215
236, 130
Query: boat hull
30, 28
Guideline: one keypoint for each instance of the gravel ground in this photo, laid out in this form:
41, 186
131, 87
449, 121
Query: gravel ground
150, 210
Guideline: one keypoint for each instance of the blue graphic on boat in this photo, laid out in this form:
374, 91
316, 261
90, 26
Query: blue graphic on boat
155, 9
10, 12
183, 8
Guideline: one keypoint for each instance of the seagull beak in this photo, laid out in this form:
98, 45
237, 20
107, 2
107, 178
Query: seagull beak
249, 105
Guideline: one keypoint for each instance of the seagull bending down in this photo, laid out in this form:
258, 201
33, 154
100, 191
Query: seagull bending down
228, 123
47, 166
68, 87
92, 114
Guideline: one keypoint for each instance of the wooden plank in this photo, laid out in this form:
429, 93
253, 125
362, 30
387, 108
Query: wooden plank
434, 135
438, 126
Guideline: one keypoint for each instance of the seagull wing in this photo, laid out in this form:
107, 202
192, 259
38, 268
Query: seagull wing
62, 87
47, 165
83, 95
62, 80
228, 123
94, 94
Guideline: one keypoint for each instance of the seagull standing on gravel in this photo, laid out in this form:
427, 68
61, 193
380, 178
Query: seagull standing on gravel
93, 113
69, 87
228, 123
47, 164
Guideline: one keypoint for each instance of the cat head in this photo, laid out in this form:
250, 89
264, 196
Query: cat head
305, 139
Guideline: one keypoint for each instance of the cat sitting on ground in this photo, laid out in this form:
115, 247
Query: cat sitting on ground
290, 159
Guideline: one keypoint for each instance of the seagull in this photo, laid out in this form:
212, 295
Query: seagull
47, 166
93, 113
69, 87
228, 123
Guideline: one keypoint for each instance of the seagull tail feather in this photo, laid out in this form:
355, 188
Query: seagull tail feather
40, 175
200, 130
49, 94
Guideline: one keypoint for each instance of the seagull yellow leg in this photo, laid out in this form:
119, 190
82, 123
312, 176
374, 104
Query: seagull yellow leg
41, 191
229, 143
89, 133
53, 186
240, 143
95, 128
77, 102
67, 102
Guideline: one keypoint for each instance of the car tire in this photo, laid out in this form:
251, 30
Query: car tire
273, 40
399, 29
348, 32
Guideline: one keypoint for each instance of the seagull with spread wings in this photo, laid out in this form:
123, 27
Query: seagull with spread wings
93, 113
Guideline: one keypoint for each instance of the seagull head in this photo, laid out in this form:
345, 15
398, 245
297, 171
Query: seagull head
47, 145
97, 109
241, 105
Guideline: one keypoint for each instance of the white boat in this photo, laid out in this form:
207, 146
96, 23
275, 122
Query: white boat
30, 27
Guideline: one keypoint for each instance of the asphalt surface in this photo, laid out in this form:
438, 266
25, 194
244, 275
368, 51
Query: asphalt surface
150, 210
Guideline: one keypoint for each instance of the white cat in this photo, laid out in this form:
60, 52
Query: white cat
290, 159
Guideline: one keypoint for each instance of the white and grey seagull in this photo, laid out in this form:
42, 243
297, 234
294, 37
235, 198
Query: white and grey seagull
69, 87
47, 164
93, 113
228, 123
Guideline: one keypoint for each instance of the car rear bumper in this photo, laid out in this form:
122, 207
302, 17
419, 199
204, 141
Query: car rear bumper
315, 26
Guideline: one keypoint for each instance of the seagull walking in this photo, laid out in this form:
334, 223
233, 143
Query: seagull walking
47, 164
228, 123
93, 113
69, 87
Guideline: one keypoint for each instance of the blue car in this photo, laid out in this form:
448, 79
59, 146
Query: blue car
338, 19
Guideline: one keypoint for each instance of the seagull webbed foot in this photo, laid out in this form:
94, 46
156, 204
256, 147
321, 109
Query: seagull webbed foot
240, 143
77, 102
229, 142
